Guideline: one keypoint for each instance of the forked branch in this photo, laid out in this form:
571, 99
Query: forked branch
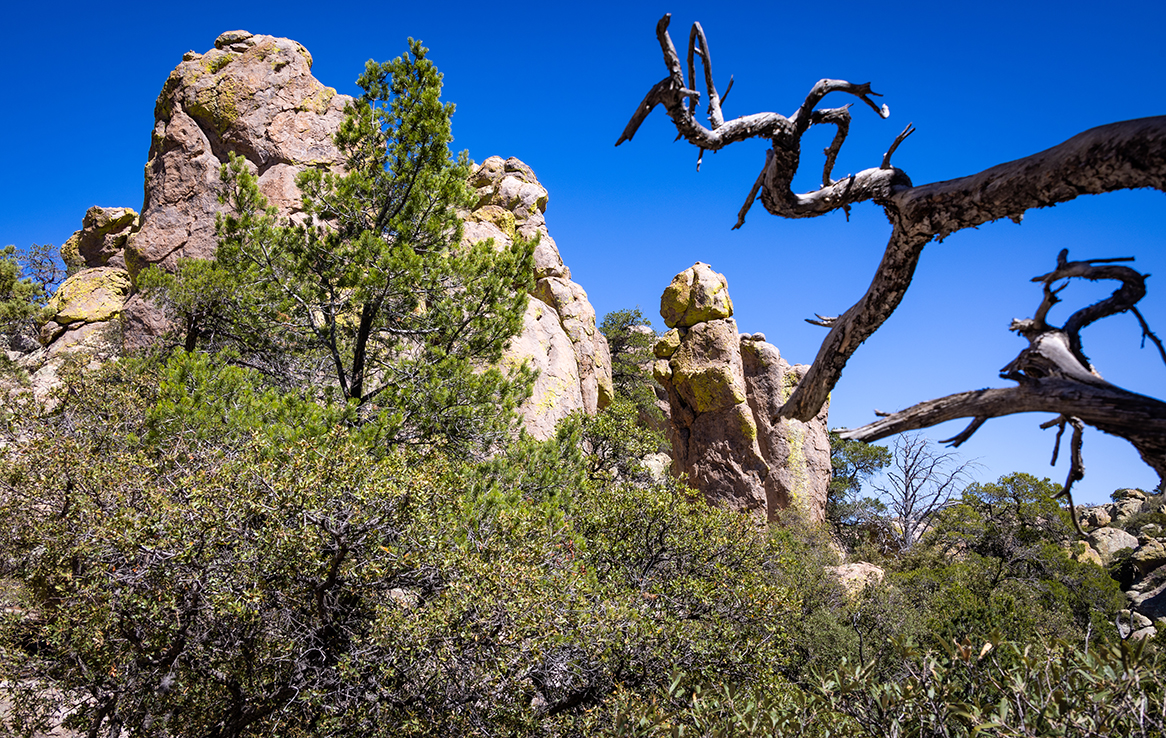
679, 99
1053, 375
1118, 156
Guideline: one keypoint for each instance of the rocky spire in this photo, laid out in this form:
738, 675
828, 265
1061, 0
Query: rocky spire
723, 389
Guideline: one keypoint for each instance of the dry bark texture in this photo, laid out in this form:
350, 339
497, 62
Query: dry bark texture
255, 96
1125, 155
722, 388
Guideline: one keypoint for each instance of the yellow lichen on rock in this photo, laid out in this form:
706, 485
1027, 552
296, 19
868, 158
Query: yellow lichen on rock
667, 344
696, 295
706, 369
91, 296
499, 216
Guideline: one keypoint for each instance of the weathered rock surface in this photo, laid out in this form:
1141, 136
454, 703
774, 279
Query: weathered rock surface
723, 388
559, 337
857, 576
696, 295
255, 96
1108, 542
102, 238
250, 95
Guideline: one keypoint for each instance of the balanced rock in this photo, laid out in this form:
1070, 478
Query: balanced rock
723, 389
696, 295
102, 238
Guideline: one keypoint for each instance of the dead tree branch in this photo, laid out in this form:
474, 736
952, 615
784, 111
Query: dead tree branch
1054, 375
1118, 156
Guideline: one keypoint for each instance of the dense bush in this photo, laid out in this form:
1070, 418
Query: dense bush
198, 556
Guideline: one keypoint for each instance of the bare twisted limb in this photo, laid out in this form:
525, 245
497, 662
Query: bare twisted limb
1118, 156
679, 98
1054, 375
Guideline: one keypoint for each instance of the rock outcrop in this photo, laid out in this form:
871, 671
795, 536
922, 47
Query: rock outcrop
857, 576
723, 388
1127, 536
83, 318
250, 95
559, 337
255, 96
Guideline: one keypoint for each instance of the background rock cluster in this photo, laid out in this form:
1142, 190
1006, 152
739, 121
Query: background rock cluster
1128, 535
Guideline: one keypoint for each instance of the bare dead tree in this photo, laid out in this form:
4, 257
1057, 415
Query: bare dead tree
920, 482
1118, 156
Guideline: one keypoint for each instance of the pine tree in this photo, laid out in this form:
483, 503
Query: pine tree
372, 297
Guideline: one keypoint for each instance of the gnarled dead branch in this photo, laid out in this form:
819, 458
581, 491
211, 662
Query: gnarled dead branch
1118, 156
1054, 375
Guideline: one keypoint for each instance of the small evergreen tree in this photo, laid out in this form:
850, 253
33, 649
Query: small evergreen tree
630, 338
372, 296
854, 517
24, 289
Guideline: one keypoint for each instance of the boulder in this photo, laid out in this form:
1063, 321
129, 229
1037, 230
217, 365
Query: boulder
1151, 600
1124, 509
1095, 517
696, 295
1149, 556
722, 390
1128, 494
1087, 554
101, 240
857, 576
1108, 542
90, 296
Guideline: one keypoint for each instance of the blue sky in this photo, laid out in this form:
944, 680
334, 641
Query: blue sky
554, 84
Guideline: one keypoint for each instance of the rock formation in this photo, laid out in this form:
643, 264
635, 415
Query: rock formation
250, 95
255, 96
723, 388
1128, 536
558, 337
83, 318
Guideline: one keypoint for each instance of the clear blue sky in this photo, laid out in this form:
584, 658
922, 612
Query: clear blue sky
554, 84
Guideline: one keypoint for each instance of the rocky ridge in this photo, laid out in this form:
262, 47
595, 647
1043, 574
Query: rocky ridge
723, 388
255, 96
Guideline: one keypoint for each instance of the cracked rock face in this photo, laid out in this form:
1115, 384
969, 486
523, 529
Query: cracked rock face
723, 389
250, 95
